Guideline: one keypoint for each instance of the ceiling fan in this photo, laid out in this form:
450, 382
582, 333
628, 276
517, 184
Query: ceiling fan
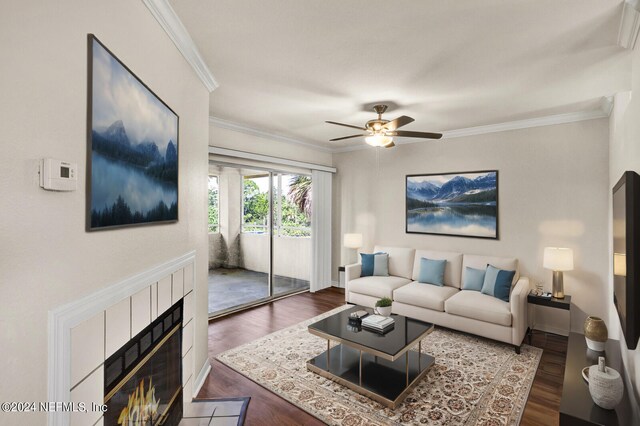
380, 132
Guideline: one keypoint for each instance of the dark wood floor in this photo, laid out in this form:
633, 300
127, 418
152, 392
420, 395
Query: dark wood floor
268, 409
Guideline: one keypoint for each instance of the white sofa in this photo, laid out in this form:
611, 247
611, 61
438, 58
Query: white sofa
448, 306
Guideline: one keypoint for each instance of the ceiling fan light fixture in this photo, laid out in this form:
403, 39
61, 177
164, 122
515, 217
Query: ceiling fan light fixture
379, 131
378, 140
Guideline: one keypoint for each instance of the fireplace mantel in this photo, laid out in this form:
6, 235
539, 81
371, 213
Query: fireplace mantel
83, 333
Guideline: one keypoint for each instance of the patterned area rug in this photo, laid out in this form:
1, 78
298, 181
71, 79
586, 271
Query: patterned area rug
474, 380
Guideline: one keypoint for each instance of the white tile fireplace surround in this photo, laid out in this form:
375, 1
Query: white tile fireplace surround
84, 333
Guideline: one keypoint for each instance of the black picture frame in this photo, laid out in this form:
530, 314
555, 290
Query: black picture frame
412, 204
626, 241
140, 157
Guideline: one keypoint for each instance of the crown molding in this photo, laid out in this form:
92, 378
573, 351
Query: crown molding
548, 120
242, 128
604, 111
606, 105
629, 24
172, 25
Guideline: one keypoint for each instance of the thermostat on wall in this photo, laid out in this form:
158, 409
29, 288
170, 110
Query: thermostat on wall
56, 175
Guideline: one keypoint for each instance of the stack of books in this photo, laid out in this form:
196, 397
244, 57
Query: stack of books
377, 323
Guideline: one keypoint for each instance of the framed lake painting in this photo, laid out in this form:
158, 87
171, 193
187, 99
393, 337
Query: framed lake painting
455, 204
132, 153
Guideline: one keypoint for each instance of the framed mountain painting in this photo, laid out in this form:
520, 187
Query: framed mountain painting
132, 152
454, 204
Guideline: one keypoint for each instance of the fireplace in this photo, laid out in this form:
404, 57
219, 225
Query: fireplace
143, 379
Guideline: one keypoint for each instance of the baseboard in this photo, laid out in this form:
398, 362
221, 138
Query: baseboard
202, 376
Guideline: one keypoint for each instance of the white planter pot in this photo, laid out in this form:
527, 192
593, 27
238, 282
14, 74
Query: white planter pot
385, 312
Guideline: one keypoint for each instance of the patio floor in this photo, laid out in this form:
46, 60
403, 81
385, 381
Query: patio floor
233, 287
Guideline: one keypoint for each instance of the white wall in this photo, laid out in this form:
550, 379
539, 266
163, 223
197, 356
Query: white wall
553, 189
231, 139
46, 257
625, 155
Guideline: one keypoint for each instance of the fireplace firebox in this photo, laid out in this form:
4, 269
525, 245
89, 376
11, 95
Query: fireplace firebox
143, 379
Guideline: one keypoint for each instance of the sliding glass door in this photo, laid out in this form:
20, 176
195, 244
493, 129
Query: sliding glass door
262, 247
291, 233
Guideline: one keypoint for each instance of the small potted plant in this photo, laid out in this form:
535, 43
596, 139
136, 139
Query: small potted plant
383, 307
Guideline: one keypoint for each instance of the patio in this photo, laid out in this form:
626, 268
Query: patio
233, 287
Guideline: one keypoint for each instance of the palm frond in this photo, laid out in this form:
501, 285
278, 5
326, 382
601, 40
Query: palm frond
300, 193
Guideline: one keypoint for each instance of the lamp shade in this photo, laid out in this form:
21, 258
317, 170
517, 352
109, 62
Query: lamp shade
558, 259
353, 241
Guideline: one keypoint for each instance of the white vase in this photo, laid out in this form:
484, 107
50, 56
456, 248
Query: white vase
384, 311
606, 386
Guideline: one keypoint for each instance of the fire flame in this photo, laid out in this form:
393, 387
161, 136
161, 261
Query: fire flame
142, 408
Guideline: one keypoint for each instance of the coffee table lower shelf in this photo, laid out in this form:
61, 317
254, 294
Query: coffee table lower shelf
387, 382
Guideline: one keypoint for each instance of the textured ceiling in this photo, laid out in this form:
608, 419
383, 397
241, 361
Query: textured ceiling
285, 66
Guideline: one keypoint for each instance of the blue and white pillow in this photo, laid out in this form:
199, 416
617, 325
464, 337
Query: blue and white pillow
376, 264
432, 271
473, 279
497, 283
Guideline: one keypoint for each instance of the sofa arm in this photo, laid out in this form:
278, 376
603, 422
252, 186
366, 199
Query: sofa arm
351, 272
519, 311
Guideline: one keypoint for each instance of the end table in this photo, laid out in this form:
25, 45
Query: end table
564, 304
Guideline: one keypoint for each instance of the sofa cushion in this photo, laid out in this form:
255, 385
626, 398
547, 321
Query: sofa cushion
475, 305
377, 286
481, 262
452, 270
426, 296
376, 264
497, 283
473, 279
432, 271
400, 260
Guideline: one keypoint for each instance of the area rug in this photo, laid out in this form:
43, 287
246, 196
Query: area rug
474, 381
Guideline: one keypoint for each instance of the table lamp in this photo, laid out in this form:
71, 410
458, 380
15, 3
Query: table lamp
353, 241
558, 260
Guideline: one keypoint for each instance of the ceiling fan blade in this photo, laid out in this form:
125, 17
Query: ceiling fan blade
345, 125
408, 134
390, 145
347, 137
398, 122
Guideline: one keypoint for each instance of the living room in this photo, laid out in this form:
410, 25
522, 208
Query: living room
539, 95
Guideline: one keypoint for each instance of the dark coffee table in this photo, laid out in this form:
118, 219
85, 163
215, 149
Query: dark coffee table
380, 366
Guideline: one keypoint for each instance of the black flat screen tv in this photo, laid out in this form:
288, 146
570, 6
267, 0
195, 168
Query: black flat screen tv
626, 255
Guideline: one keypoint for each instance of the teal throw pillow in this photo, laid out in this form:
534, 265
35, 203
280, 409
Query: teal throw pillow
497, 283
473, 279
376, 264
432, 271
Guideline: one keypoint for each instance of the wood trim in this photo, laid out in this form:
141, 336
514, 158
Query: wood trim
629, 24
202, 376
549, 120
243, 128
175, 29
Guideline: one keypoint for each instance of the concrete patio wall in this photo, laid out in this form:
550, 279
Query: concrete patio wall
291, 255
